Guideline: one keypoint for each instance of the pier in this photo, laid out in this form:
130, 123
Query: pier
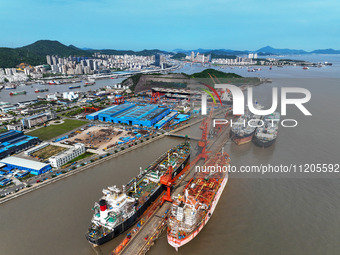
184, 136
154, 221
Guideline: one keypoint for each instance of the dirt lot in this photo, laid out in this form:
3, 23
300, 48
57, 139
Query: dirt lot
98, 137
47, 152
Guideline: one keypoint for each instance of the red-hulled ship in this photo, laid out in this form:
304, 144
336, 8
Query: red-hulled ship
192, 210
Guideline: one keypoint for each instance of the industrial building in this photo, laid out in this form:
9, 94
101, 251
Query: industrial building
14, 141
32, 166
38, 119
66, 156
131, 114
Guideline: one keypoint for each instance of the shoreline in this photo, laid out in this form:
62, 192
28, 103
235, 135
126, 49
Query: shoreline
88, 166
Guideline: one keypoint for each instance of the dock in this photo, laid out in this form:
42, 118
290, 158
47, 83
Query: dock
155, 220
184, 136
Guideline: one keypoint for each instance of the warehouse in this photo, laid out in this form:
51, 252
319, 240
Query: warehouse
131, 114
33, 167
14, 141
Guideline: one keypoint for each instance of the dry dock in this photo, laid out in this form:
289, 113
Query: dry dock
154, 222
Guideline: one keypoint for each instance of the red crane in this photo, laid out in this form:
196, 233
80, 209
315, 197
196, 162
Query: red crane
119, 100
155, 97
167, 180
202, 144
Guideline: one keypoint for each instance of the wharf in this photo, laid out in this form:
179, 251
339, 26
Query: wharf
145, 236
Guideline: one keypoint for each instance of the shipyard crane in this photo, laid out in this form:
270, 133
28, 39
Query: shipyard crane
119, 100
202, 144
167, 181
155, 97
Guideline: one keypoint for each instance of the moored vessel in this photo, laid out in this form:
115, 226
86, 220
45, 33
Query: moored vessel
241, 132
191, 210
266, 135
10, 86
118, 209
89, 83
16, 93
40, 90
74, 87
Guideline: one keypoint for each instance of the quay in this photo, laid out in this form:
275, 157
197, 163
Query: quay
145, 232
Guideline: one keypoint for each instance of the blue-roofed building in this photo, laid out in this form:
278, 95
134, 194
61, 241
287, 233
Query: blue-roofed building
131, 114
4, 181
14, 141
34, 167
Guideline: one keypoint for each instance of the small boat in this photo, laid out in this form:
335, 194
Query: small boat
305, 68
40, 90
74, 87
89, 83
10, 86
16, 93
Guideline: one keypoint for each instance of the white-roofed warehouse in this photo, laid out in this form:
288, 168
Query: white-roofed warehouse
34, 167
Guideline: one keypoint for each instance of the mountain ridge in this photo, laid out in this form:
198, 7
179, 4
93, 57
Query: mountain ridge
35, 53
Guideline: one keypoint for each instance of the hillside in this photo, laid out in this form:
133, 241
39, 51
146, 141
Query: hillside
214, 73
141, 82
46, 47
35, 53
128, 52
222, 77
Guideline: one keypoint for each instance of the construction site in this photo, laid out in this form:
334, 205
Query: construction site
104, 137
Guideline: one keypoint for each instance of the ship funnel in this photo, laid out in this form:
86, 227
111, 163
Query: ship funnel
102, 204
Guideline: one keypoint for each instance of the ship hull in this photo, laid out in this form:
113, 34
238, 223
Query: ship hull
262, 143
176, 243
136, 216
241, 139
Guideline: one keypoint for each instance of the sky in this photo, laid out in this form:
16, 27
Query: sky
168, 25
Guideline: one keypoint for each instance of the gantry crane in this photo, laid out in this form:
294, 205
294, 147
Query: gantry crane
202, 144
167, 181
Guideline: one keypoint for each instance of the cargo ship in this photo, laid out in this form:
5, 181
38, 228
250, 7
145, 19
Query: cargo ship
191, 210
17, 93
241, 132
74, 87
119, 209
266, 135
40, 90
